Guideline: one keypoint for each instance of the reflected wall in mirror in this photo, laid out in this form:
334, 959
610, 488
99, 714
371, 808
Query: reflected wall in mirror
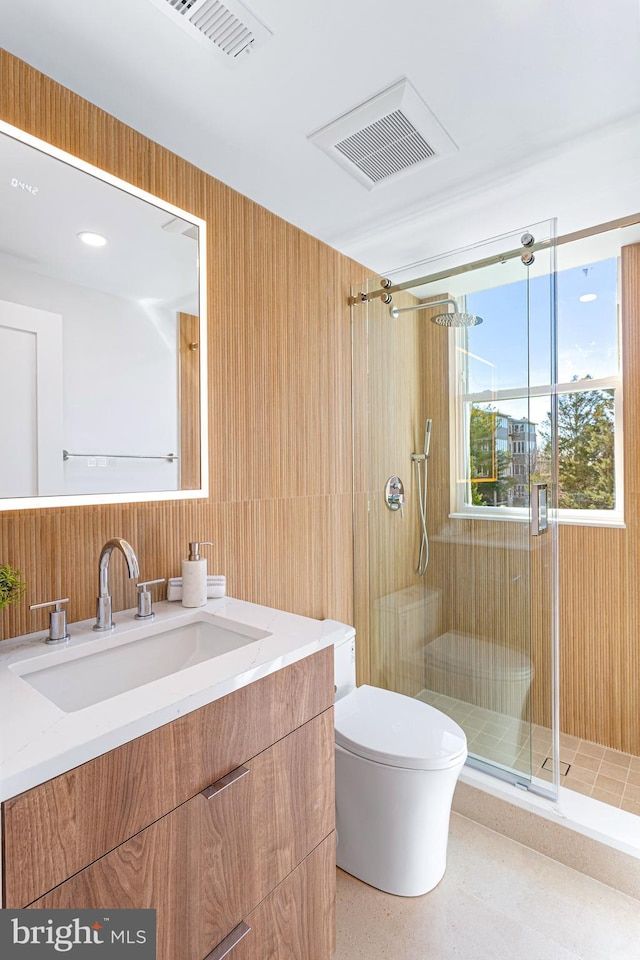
102, 336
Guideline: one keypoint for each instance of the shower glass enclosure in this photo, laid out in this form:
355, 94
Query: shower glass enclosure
471, 630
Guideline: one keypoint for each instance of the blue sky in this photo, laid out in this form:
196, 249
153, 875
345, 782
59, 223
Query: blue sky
506, 346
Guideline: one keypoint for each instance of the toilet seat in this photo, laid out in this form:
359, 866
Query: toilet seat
398, 731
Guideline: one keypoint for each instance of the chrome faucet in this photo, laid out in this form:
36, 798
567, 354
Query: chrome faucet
104, 620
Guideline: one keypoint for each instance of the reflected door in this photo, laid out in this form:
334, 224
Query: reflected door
31, 422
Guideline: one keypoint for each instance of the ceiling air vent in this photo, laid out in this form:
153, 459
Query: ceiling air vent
230, 27
387, 136
176, 225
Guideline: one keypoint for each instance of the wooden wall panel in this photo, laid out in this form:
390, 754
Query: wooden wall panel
594, 610
279, 353
398, 367
600, 580
189, 393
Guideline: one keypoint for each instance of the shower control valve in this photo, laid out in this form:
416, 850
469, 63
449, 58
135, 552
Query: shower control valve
394, 494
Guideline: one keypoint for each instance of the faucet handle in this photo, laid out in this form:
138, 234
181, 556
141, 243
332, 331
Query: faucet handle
145, 611
57, 620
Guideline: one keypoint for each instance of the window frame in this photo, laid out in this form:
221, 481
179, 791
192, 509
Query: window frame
459, 402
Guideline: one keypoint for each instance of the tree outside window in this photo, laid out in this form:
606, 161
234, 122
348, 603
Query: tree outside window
586, 448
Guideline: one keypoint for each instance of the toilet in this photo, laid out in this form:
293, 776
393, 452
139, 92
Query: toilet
397, 764
481, 672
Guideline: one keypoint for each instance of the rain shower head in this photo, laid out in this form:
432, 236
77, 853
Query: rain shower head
455, 319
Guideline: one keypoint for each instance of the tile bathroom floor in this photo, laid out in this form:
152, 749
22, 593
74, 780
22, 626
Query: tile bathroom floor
498, 900
607, 775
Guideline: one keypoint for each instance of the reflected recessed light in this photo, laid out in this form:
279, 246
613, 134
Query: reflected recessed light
588, 297
92, 239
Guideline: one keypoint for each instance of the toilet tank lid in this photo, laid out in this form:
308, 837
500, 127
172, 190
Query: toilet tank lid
415, 597
396, 730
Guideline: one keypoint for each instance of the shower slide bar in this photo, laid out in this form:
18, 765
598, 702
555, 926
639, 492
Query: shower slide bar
420, 461
390, 288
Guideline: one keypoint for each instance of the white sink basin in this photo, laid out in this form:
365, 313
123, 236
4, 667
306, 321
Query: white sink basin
82, 680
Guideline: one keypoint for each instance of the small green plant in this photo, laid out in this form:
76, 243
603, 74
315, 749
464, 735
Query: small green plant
12, 586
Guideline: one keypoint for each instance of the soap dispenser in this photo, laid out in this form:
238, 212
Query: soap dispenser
194, 576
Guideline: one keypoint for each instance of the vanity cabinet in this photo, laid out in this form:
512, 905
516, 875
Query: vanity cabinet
222, 818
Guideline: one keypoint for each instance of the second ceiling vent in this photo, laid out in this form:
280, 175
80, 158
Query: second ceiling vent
230, 27
389, 135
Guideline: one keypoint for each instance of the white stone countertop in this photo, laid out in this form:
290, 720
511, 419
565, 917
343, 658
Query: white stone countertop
38, 740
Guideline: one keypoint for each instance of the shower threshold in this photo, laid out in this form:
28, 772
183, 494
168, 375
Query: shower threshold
586, 834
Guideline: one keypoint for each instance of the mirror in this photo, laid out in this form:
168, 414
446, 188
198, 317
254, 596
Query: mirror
102, 336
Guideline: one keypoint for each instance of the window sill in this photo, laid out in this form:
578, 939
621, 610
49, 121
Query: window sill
579, 518
591, 518
513, 514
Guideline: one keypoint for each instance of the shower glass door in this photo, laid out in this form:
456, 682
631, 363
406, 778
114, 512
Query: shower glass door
456, 534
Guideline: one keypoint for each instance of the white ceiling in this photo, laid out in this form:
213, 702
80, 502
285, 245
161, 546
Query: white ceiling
542, 98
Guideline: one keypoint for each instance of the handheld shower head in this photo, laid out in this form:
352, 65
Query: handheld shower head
427, 436
455, 319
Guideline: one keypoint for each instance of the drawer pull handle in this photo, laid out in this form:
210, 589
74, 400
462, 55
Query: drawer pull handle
230, 941
223, 783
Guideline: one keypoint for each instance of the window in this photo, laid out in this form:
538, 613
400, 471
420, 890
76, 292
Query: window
504, 396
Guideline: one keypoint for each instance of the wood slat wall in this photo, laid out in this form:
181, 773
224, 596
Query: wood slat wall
189, 392
400, 378
279, 356
600, 580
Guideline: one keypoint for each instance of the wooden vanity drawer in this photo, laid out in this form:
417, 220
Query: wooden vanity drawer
297, 920
56, 829
206, 865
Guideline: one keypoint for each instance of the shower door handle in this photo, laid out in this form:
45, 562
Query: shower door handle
539, 509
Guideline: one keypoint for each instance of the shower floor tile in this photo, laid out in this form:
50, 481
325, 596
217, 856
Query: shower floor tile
586, 767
